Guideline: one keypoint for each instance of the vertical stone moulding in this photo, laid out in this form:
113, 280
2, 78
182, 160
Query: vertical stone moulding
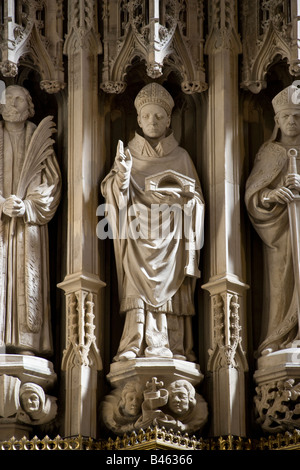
81, 360
227, 365
227, 362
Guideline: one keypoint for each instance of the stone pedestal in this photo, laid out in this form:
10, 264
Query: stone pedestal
24, 404
278, 390
154, 392
144, 368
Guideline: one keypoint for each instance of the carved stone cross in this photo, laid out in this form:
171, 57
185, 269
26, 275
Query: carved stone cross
154, 385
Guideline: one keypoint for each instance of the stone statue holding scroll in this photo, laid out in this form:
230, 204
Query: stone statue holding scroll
30, 186
154, 194
270, 189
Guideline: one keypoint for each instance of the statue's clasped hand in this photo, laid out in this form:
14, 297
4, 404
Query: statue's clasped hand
13, 206
292, 181
285, 194
175, 193
282, 195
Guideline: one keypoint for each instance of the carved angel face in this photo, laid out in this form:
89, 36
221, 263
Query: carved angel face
133, 403
30, 401
154, 121
16, 107
179, 401
289, 122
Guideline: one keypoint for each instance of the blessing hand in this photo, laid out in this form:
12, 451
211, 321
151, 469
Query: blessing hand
123, 158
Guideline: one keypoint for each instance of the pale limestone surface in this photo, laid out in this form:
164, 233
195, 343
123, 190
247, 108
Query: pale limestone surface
269, 194
24, 399
139, 403
156, 274
272, 198
278, 390
156, 270
241, 41
30, 185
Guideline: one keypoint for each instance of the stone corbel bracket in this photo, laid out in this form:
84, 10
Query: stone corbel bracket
269, 30
162, 34
32, 35
278, 390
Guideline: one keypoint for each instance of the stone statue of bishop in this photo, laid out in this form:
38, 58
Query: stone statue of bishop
156, 274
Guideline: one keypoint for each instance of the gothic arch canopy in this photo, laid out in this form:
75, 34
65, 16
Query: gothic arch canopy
269, 29
32, 36
159, 33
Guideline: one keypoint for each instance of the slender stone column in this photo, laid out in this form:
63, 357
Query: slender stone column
81, 359
227, 363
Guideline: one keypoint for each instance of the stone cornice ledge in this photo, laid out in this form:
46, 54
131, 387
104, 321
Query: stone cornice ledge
225, 283
81, 281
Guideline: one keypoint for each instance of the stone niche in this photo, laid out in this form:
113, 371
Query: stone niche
119, 120
28, 383
276, 373
150, 382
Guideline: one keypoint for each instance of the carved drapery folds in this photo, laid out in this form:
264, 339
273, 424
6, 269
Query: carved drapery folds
161, 33
31, 34
269, 29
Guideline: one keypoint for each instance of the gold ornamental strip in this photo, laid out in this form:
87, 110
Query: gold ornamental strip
157, 438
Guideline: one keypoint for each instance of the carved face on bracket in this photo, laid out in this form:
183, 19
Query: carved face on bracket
179, 400
17, 106
154, 121
30, 401
132, 403
288, 121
